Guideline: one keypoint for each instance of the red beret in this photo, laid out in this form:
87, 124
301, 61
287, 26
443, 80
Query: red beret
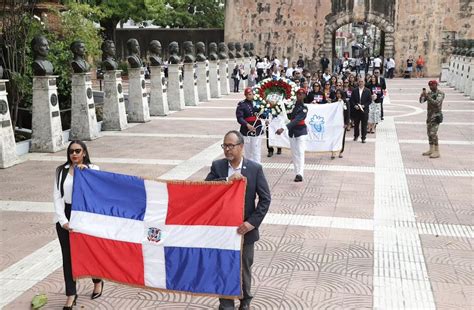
248, 90
301, 91
433, 82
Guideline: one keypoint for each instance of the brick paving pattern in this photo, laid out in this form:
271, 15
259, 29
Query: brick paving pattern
383, 227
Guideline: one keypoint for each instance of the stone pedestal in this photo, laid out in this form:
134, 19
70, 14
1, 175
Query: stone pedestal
444, 72
450, 71
224, 75
158, 98
204, 91
47, 133
190, 85
138, 110
83, 118
175, 88
115, 117
470, 78
457, 72
214, 81
465, 68
247, 66
8, 155
231, 65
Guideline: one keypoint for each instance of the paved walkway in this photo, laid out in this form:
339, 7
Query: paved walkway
382, 228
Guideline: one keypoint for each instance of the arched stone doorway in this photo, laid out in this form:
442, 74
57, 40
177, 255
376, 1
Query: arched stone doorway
334, 22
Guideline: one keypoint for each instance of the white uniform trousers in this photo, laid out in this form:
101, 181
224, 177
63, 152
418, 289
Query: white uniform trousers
298, 146
253, 148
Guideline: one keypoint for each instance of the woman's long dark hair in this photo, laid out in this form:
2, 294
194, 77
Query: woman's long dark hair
86, 161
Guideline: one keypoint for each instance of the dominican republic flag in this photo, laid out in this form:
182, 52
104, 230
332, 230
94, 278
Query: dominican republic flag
177, 236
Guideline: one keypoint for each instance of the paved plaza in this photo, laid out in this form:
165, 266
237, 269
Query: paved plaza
383, 227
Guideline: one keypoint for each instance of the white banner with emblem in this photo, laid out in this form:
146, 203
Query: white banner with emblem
325, 123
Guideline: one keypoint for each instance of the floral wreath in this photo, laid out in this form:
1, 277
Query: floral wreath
276, 87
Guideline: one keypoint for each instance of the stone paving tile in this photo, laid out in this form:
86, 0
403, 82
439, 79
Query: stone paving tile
296, 267
147, 147
21, 233
452, 157
41, 175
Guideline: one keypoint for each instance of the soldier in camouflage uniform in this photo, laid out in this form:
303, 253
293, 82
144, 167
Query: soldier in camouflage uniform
435, 116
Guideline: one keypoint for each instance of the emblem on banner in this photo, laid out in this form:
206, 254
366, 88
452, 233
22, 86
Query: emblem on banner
154, 234
317, 127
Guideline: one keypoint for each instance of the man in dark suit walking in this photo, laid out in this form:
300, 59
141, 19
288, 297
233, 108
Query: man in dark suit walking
360, 101
383, 85
235, 167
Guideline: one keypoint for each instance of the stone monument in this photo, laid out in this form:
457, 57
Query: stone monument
115, 116
202, 72
232, 62
137, 108
175, 79
214, 82
189, 75
8, 155
47, 135
158, 98
83, 118
223, 72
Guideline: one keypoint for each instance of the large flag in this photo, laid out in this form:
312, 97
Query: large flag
179, 236
325, 123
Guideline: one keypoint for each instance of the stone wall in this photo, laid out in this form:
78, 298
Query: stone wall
305, 27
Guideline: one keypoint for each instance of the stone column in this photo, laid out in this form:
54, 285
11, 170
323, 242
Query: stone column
203, 81
83, 118
450, 70
158, 98
470, 77
190, 85
214, 81
231, 65
138, 110
444, 72
457, 73
464, 74
247, 66
224, 77
46, 125
8, 155
115, 116
175, 88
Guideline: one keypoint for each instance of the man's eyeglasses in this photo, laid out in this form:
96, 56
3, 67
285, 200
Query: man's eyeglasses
229, 146
75, 151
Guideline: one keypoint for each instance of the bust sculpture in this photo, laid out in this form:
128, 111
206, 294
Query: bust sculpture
155, 51
173, 49
200, 51
108, 55
246, 50
238, 50
222, 48
188, 49
231, 51
213, 51
41, 66
252, 49
78, 63
133, 49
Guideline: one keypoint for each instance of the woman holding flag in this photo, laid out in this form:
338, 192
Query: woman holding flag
77, 156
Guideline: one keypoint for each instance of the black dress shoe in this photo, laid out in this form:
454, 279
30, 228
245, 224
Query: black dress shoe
355, 138
270, 154
363, 140
97, 295
244, 307
278, 151
71, 306
298, 178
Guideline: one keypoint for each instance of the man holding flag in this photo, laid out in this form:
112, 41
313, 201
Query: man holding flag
235, 167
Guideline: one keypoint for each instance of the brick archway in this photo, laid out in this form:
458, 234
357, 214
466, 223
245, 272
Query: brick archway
334, 22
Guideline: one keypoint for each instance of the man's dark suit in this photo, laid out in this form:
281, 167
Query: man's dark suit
359, 116
256, 185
